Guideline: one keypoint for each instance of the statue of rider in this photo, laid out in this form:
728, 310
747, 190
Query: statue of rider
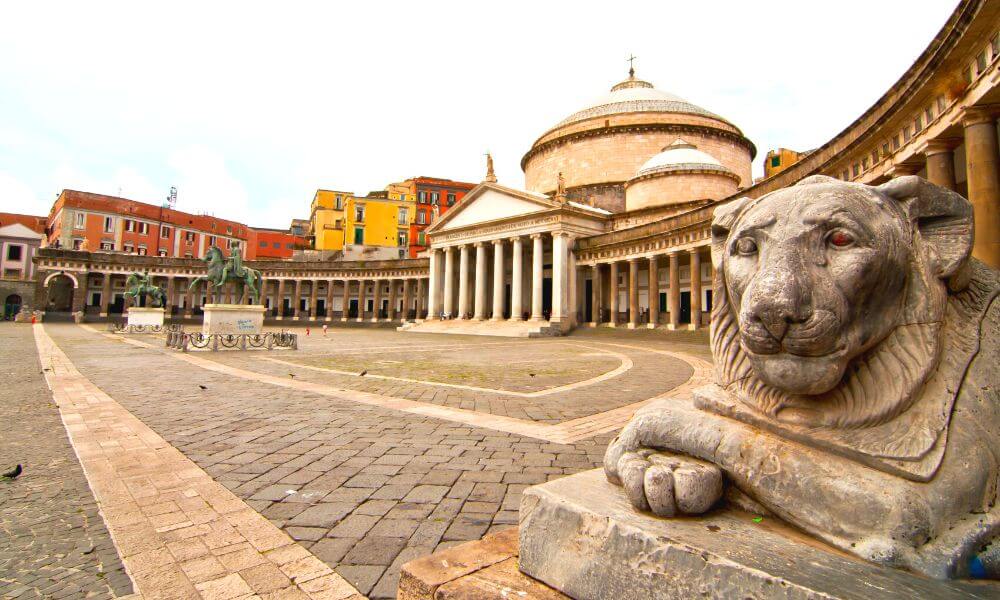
234, 264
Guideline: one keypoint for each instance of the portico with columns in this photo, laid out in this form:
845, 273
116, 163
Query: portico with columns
502, 263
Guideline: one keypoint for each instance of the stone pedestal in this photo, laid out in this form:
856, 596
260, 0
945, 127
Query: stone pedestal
233, 318
579, 535
145, 317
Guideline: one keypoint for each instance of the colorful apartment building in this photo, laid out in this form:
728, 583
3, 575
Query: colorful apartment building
433, 196
96, 222
353, 224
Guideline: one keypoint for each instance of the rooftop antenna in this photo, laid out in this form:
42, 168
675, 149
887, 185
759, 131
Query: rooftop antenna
631, 66
172, 198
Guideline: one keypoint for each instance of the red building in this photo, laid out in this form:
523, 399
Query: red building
30, 221
274, 243
86, 221
434, 196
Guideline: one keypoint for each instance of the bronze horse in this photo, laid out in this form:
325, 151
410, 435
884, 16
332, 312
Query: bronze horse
220, 272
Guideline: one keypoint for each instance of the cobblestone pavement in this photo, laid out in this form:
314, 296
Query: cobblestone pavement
364, 488
53, 541
516, 366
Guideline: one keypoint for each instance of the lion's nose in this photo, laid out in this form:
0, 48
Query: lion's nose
778, 300
776, 320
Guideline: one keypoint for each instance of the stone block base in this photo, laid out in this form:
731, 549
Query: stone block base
580, 536
145, 317
233, 318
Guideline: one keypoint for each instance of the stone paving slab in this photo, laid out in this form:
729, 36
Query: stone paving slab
364, 487
53, 540
180, 533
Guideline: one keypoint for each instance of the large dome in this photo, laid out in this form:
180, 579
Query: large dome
635, 95
679, 156
601, 147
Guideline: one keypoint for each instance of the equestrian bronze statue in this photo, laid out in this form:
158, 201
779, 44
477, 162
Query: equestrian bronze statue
222, 270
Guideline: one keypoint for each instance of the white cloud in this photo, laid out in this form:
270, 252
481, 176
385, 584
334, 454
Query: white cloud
18, 197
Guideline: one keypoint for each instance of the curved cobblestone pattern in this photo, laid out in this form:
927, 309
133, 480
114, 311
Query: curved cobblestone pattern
54, 542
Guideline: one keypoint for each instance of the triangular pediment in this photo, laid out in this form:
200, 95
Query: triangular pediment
18, 230
491, 202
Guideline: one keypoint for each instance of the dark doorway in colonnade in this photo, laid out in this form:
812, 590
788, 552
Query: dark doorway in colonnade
547, 297
286, 306
60, 294
506, 301
685, 307
320, 307
352, 309
11, 306
118, 306
588, 299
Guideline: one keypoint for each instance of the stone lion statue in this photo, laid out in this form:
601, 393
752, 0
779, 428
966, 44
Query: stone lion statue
857, 394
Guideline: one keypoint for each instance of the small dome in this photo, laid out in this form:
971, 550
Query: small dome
681, 156
636, 95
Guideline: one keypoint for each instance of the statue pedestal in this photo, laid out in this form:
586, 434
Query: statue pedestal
579, 535
145, 317
233, 318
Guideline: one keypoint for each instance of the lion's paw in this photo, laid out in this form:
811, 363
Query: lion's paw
668, 484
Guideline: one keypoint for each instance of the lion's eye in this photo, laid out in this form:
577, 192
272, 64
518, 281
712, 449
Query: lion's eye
746, 246
840, 239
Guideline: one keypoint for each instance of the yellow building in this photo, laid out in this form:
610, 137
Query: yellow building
327, 219
378, 220
778, 160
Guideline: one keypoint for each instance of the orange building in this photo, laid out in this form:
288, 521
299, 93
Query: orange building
87, 221
274, 243
434, 196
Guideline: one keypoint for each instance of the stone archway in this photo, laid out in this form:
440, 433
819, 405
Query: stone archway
60, 290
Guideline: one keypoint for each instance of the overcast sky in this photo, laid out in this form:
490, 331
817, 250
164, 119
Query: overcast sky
248, 108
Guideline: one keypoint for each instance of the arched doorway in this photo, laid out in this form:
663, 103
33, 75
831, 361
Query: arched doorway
11, 306
60, 294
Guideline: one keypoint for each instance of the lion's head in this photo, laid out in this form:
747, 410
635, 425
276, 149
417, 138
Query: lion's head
831, 296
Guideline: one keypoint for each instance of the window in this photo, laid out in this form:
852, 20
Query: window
339, 202
188, 254
109, 246
401, 237
189, 236
451, 199
164, 232
864, 164
421, 217
359, 213
143, 228
359, 235
79, 221
421, 239
874, 157
289, 246
776, 161
229, 229
422, 197
995, 45
929, 114
129, 225
855, 169
77, 243
211, 240
263, 244
895, 142
906, 134
403, 217
885, 149
918, 124
129, 248
276, 245
14, 252
941, 104
161, 252
981, 62
109, 224
435, 198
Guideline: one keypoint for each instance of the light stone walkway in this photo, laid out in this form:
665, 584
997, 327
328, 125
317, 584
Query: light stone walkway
178, 532
564, 433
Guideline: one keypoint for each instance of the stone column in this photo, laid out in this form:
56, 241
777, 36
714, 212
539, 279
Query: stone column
463, 282
362, 284
613, 294
982, 163
106, 294
329, 300
313, 296
449, 282
537, 265
80, 292
169, 302
560, 277
345, 300
377, 285
633, 293
499, 278
393, 297
595, 295
189, 303
516, 280
653, 292
573, 298
695, 288
480, 304
434, 282
296, 313
674, 294
421, 294
280, 302
941, 163
407, 298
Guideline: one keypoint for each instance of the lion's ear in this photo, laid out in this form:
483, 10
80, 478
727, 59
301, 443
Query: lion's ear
943, 218
722, 221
